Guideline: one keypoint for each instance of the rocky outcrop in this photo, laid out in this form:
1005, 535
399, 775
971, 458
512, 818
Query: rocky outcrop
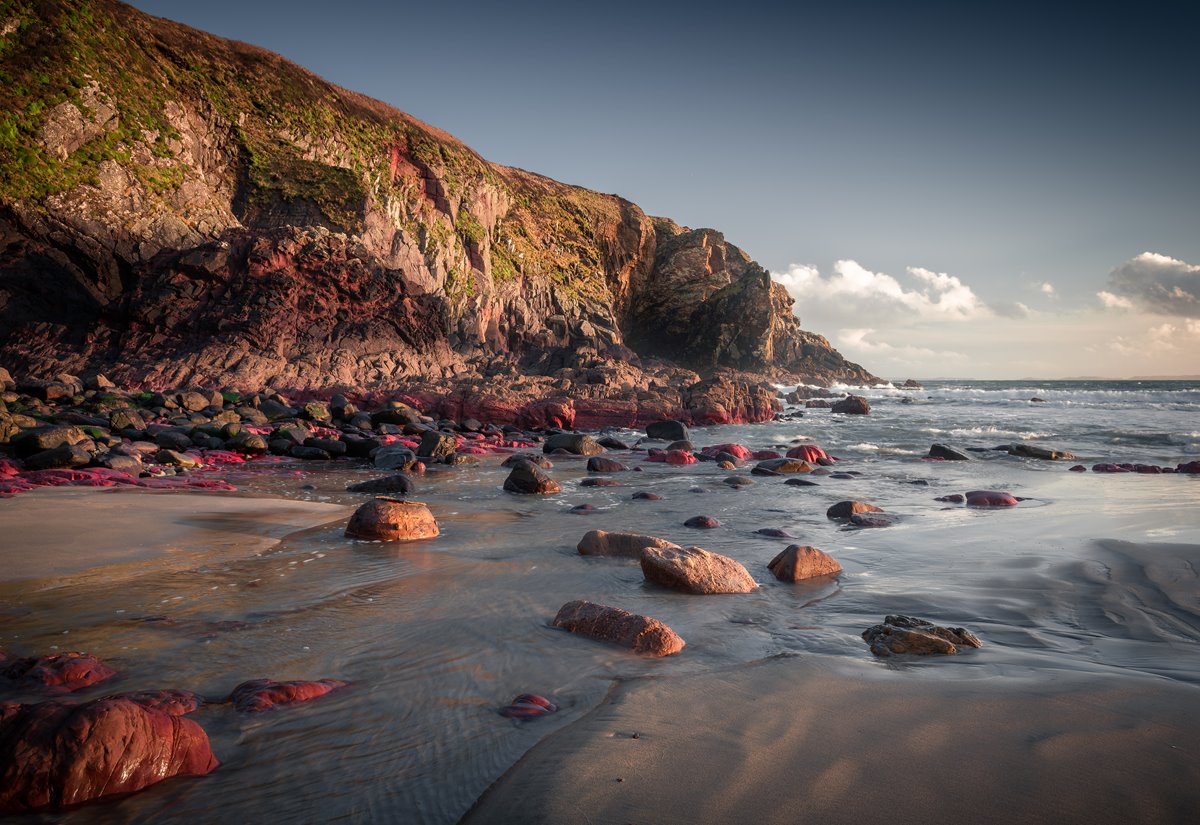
279, 231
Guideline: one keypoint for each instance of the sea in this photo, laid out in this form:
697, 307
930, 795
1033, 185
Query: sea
1091, 573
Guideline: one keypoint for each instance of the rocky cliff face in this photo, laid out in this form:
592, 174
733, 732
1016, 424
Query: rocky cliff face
177, 208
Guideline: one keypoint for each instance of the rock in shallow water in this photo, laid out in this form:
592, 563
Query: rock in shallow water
991, 498
398, 483
695, 570
59, 673
387, 519
528, 479
800, 562
625, 545
528, 706
54, 755
907, 634
846, 509
258, 695
641, 634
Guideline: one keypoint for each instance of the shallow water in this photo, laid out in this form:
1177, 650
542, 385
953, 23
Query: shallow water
1093, 573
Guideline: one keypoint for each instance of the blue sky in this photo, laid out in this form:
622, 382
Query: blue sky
947, 188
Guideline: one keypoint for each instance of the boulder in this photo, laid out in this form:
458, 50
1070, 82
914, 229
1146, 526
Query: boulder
575, 443
947, 453
642, 495
528, 479
64, 455
600, 482
641, 634
799, 562
679, 458
668, 431
800, 482
702, 522
845, 509
533, 458
436, 445
315, 411
599, 464
807, 452
388, 519
47, 438
398, 483
695, 570
258, 695
624, 545
394, 457
54, 755
907, 634
852, 405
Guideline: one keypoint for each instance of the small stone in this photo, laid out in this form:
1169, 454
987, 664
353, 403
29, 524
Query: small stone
907, 634
702, 522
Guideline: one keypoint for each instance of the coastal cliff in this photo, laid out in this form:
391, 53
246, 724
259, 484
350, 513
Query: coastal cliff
179, 209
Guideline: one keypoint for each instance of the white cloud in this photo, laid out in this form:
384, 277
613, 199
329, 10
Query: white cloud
852, 291
1047, 288
1155, 283
1114, 301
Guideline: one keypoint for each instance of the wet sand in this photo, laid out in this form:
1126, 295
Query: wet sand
810, 739
57, 532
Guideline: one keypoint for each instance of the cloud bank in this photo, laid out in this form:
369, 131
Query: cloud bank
1155, 283
854, 294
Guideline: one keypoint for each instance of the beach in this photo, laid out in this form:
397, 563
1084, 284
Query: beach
1079, 706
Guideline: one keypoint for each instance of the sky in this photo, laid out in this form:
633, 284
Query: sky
985, 190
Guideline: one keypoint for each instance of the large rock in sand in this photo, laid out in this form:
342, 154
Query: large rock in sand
625, 545
389, 519
641, 634
907, 634
54, 754
695, 570
800, 562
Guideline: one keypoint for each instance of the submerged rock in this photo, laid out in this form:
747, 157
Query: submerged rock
695, 570
258, 695
800, 562
528, 706
907, 634
641, 634
598, 464
59, 673
702, 522
54, 755
389, 519
991, 498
